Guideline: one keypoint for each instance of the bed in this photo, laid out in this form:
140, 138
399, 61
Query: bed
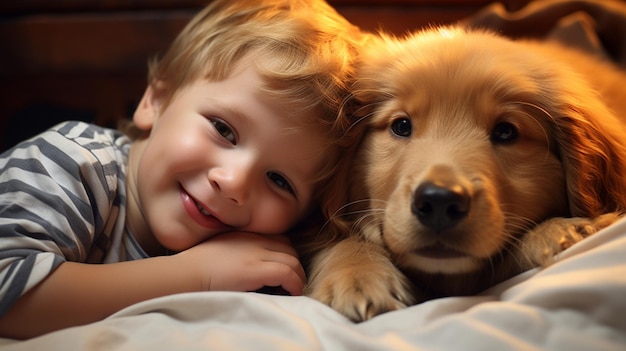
578, 303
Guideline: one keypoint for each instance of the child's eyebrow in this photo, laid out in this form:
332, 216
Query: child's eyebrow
231, 111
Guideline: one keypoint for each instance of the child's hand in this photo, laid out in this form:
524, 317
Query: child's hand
242, 261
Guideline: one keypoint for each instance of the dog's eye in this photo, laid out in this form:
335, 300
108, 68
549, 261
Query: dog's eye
402, 127
503, 133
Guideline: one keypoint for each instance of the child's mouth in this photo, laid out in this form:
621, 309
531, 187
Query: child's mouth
198, 213
202, 210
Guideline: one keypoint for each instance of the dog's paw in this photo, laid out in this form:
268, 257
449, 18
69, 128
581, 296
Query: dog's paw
558, 234
357, 278
579, 228
360, 293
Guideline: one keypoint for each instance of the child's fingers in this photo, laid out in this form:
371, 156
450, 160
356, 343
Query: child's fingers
280, 243
279, 274
274, 242
290, 261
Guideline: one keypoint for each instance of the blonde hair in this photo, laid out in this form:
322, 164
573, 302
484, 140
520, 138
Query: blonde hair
303, 45
304, 50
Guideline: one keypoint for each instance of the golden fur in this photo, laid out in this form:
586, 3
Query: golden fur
481, 158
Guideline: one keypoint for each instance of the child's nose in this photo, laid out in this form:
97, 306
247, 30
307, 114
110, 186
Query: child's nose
231, 182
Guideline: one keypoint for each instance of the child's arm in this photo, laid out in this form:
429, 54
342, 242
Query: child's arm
78, 293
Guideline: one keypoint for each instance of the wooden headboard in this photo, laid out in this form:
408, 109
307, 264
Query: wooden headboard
87, 60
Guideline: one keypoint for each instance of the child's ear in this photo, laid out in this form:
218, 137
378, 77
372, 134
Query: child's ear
149, 107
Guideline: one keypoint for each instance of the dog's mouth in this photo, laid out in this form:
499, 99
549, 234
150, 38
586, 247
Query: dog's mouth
439, 251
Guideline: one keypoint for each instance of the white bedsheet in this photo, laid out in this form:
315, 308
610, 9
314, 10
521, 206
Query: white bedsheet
576, 304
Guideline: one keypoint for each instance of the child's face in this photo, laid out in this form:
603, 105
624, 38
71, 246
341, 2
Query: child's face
220, 157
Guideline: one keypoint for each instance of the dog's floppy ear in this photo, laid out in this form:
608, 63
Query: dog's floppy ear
591, 143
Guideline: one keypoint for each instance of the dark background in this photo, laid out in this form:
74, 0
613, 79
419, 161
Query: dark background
87, 59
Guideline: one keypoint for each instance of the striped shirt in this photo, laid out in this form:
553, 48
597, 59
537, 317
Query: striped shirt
62, 198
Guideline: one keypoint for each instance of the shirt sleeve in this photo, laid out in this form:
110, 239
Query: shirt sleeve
54, 194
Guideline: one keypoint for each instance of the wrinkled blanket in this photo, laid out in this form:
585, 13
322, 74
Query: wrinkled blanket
576, 304
596, 26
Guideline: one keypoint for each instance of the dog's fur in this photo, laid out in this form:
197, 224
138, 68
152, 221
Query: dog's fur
481, 158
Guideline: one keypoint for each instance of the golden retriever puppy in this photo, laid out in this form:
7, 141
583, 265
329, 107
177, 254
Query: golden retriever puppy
481, 158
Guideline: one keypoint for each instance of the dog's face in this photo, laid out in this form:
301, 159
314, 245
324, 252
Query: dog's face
469, 141
463, 153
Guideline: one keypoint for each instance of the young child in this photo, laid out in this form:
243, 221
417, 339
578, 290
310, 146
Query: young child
235, 138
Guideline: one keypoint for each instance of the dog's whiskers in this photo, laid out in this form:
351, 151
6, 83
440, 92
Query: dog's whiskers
513, 237
535, 106
362, 118
370, 217
537, 120
380, 94
369, 106
523, 259
340, 213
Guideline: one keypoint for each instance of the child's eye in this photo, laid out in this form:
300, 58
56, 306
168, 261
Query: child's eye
280, 181
224, 130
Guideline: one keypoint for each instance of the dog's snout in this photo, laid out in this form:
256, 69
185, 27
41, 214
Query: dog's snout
440, 207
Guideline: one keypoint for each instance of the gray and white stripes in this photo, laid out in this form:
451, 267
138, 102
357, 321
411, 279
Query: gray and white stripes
62, 198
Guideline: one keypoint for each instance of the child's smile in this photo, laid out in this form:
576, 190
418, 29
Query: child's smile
200, 214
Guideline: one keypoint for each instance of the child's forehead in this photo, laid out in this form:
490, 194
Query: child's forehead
298, 98
296, 106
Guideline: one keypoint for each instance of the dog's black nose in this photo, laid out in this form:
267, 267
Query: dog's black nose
440, 207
